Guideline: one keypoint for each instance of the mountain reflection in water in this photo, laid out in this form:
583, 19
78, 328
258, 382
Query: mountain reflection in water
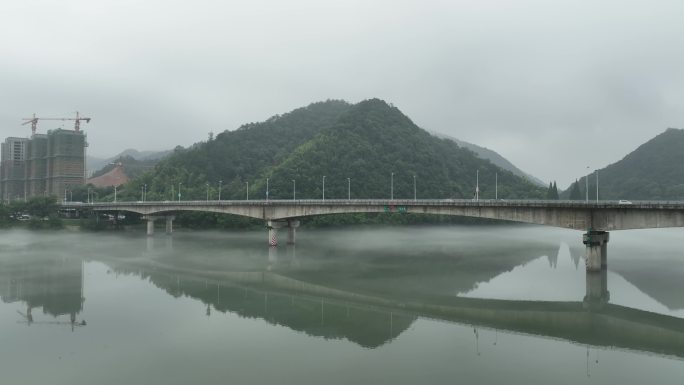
367, 294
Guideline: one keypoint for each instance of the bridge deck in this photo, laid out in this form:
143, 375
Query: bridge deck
580, 215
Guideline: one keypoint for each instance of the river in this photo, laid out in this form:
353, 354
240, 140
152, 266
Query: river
363, 305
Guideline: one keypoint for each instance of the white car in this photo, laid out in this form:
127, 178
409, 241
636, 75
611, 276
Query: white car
624, 202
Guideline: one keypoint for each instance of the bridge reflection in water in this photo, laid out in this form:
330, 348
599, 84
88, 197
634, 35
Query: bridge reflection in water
281, 295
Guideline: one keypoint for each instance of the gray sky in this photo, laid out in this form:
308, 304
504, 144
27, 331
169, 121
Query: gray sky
554, 86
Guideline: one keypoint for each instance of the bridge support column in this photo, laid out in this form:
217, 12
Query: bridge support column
150, 224
597, 295
292, 225
597, 250
169, 223
273, 227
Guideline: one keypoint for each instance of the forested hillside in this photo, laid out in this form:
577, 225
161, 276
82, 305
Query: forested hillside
366, 142
654, 171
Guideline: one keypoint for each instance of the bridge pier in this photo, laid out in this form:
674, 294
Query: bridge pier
273, 227
150, 224
597, 250
597, 294
292, 225
169, 223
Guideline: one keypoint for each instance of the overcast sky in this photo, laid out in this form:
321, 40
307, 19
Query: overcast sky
554, 86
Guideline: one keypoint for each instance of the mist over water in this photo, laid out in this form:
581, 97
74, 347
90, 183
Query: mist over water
353, 305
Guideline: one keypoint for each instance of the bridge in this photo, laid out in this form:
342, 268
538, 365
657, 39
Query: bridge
597, 218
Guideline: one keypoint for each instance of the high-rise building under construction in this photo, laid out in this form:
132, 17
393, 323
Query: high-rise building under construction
13, 168
45, 164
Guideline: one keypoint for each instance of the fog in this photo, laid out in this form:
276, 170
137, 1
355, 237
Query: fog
575, 83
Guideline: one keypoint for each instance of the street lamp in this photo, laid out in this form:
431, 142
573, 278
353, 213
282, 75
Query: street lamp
496, 186
597, 195
586, 193
220, 183
392, 186
207, 191
294, 190
247, 190
324, 188
115, 186
348, 188
179, 191
477, 185
267, 189
414, 188
145, 193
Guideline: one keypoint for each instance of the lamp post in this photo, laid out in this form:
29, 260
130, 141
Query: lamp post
219, 192
477, 185
496, 186
294, 190
348, 188
586, 193
392, 186
115, 186
323, 188
414, 188
267, 189
145, 193
247, 183
597, 196
207, 191
179, 191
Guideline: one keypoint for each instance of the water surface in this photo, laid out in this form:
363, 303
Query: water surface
404, 305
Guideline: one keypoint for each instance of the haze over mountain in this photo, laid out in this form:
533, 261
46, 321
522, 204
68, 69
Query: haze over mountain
651, 172
96, 165
371, 143
493, 156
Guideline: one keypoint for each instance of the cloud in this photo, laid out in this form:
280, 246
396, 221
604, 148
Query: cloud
553, 86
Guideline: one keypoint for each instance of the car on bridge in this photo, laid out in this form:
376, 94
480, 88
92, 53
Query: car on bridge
624, 202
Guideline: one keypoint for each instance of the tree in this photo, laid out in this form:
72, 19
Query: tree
575, 193
555, 191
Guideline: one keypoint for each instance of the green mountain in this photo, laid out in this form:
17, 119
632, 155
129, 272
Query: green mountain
366, 142
651, 172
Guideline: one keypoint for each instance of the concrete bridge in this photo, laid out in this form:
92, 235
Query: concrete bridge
597, 218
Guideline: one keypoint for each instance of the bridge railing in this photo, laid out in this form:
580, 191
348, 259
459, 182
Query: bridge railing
389, 202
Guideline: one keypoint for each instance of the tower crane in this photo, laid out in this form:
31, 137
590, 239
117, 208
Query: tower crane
34, 121
28, 320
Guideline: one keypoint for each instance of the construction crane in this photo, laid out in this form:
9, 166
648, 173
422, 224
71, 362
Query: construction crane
34, 122
28, 320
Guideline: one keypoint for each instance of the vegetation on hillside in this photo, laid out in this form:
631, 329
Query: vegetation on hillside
362, 151
651, 172
552, 191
